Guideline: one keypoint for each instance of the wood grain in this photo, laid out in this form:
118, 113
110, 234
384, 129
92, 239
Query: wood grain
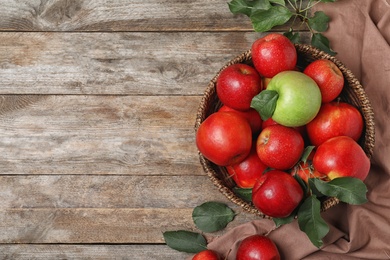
126, 135
104, 225
177, 63
121, 15
106, 191
95, 252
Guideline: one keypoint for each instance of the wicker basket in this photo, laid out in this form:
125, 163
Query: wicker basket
352, 93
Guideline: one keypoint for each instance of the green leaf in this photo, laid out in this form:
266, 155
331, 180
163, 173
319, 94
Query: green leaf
264, 20
311, 222
282, 221
279, 2
347, 189
320, 41
265, 103
212, 216
261, 5
185, 241
306, 153
294, 37
319, 21
245, 194
240, 7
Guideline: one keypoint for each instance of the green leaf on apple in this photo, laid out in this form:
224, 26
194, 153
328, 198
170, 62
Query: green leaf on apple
245, 194
311, 222
320, 41
264, 20
347, 189
319, 21
185, 241
212, 216
265, 103
306, 153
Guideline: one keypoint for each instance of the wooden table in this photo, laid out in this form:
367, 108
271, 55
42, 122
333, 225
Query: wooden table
97, 109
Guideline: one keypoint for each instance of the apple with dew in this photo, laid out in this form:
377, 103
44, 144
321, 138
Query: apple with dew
272, 54
206, 255
341, 156
277, 193
224, 138
335, 119
237, 84
251, 115
257, 247
328, 77
299, 98
248, 171
279, 147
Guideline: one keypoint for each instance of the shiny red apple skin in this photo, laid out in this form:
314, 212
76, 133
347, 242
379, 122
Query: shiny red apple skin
251, 115
272, 54
341, 156
257, 247
224, 138
206, 255
237, 84
246, 173
279, 147
328, 77
335, 119
277, 193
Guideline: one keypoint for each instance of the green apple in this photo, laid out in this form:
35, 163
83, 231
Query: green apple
292, 99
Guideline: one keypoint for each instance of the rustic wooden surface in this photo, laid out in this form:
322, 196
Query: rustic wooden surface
97, 107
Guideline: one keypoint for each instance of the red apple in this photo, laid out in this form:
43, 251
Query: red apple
206, 255
335, 119
328, 77
225, 138
251, 115
341, 156
272, 54
277, 194
265, 82
237, 84
248, 171
257, 247
279, 147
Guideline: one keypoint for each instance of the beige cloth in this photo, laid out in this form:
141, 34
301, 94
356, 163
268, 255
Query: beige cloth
360, 32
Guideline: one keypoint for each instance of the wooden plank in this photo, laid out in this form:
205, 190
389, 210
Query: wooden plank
114, 63
126, 135
174, 63
96, 252
117, 225
121, 15
80, 191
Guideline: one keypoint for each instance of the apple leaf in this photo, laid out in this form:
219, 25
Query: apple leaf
311, 222
347, 189
240, 7
293, 37
245, 194
279, 2
265, 103
185, 241
306, 153
282, 221
319, 21
261, 5
264, 20
320, 41
212, 216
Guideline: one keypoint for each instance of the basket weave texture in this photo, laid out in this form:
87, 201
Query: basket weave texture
353, 93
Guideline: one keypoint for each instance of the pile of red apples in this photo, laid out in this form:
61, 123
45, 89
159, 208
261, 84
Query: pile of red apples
264, 153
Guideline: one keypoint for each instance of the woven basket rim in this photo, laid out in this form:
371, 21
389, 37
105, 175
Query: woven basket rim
314, 53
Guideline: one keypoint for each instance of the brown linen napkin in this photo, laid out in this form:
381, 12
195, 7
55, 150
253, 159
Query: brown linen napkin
359, 31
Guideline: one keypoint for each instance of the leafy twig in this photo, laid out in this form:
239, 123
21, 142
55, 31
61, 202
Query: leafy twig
266, 14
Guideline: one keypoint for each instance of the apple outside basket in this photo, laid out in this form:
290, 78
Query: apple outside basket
353, 93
